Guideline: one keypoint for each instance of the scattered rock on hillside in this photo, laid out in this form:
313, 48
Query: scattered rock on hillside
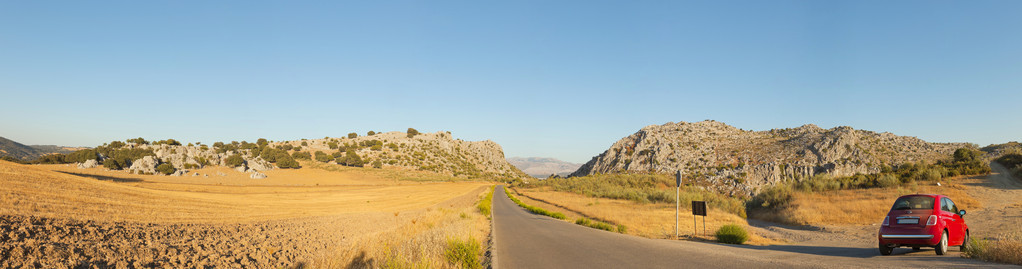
146, 165
258, 175
743, 161
88, 164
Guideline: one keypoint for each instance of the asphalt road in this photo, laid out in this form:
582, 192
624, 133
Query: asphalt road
524, 240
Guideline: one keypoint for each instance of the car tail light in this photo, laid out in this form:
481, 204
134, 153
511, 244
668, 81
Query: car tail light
887, 221
932, 220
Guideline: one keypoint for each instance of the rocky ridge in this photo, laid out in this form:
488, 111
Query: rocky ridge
437, 152
744, 161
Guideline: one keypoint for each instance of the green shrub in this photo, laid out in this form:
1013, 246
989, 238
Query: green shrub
332, 145
371, 133
595, 224
352, 135
165, 168
82, 156
535, 210
412, 132
287, 162
732, 234
377, 164
115, 144
773, 197
191, 166
888, 180
305, 144
170, 142
51, 159
138, 141
486, 203
235, 160
301, 155
323, 157
352, 159
113, 164
262, 142
464, 253
622, 229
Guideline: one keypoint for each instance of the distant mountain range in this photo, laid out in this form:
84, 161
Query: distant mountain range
543, 167
20, 151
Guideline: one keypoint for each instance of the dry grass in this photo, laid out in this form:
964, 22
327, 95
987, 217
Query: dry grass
412, 221
642, 219
1006, 248
858, 207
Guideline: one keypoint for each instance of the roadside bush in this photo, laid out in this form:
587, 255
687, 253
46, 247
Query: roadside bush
773, 197
1006, 248
301, 155
165, 168
412, 132
535, 210
595, 224
464, 253
732, 234
235, 160
486, 203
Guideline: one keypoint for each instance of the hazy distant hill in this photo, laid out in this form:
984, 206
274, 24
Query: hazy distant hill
746, 160
543, 167
17, 150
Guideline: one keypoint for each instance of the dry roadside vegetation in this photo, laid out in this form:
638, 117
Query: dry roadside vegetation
61, 216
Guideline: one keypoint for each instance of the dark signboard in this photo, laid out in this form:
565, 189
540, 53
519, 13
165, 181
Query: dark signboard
678, 178
699, 208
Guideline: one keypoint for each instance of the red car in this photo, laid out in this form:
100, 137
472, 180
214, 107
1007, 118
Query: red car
923, 220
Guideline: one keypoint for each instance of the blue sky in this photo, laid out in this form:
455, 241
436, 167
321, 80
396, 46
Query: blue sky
563, 80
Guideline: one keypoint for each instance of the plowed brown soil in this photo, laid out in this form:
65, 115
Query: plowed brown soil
57, 216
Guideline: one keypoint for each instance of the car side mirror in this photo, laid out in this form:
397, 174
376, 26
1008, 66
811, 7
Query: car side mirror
961, 213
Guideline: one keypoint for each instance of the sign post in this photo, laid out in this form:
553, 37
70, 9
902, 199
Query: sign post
677, 204
698, 209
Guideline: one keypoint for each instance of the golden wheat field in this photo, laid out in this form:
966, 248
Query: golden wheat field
62, 216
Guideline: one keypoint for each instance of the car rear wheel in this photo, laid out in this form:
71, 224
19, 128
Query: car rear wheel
941, 247
965, 243
885, 250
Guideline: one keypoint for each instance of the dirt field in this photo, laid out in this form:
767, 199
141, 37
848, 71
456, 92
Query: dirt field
61, 216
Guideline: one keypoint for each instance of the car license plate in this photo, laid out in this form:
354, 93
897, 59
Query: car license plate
908, 221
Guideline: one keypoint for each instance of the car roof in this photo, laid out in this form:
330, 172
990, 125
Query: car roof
924, 194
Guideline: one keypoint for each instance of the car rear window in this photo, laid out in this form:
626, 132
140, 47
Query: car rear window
913, 202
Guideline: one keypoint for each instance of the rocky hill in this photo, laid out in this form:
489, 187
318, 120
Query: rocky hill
437, 152
543, 167
748, 160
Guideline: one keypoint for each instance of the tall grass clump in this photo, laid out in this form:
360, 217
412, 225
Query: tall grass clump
599, 225
732, 234
1004, 249
536, 210
464, 253
486, 203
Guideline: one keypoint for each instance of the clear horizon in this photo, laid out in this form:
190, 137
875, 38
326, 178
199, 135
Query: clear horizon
562, 80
